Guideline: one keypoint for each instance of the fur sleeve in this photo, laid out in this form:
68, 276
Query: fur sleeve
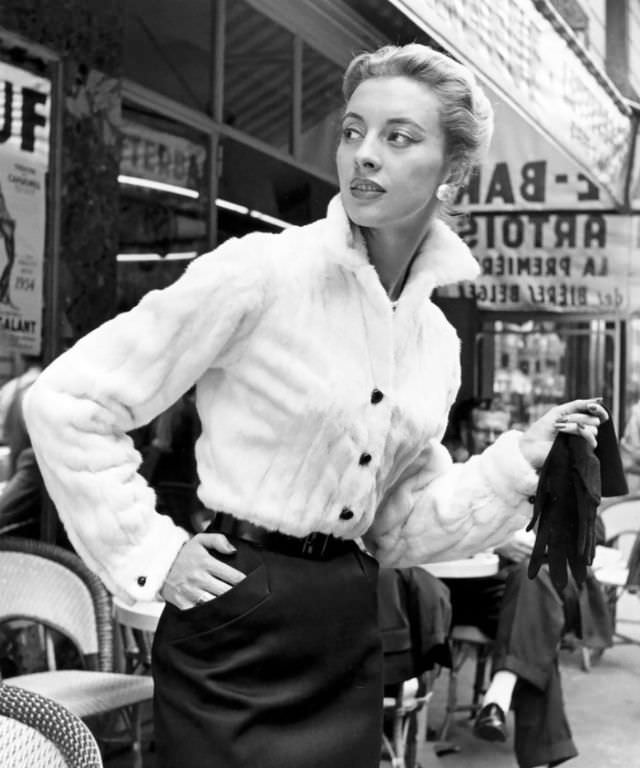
445, 511
119, 377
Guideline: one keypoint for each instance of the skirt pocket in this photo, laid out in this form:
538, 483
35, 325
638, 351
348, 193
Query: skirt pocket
230, 607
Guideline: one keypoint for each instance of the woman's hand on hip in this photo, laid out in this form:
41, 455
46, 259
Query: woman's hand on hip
578, 417
196, 575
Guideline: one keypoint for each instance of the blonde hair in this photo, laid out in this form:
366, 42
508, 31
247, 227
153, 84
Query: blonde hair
466, 115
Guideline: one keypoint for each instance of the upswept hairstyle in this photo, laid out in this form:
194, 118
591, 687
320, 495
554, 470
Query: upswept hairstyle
466, 115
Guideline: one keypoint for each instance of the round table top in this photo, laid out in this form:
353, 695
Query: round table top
476, 567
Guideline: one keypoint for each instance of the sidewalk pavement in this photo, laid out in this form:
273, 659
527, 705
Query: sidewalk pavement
603, 707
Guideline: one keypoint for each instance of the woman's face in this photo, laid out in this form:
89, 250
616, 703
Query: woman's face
391, 156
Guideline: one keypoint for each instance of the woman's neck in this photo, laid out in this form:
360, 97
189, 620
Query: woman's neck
392, 250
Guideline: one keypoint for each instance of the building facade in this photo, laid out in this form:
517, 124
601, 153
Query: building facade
136, 135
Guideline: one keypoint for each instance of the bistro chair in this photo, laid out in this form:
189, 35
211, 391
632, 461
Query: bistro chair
467, 642
621, 518
414, 615
47, 585
409, 701
36, 732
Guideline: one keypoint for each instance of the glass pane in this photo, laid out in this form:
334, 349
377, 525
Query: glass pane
321, 110
163, 202
528, 367
258, 76
168, 50
259, 184
632, 384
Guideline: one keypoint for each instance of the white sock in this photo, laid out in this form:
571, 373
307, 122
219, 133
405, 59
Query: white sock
500, 690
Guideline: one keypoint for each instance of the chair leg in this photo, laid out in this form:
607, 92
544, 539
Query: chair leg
136, 732
480, 677
459, 656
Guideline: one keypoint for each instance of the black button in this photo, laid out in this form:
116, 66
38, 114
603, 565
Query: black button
142, 580
365, 458
346, 514
532, 499
376, 396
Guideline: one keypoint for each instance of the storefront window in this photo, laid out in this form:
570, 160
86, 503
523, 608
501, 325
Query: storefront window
163, 202
258, 76
168, 50
321, 110
257, 191
530, 366
632, 383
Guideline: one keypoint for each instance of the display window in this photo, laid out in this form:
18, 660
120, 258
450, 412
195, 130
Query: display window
530, 365
322, 108
168, 49
164, 202
260, 192
632, 368
258, 68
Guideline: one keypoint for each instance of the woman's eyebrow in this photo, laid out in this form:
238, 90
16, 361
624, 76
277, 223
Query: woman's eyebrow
404, 121
389, 121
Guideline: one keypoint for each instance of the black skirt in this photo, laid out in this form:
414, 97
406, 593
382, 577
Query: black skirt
282, 671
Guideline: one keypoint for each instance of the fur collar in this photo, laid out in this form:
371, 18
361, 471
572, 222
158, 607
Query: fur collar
443, 258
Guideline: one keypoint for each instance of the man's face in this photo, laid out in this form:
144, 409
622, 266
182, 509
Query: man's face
486, 428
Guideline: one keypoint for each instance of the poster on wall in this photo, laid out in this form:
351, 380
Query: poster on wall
25, 108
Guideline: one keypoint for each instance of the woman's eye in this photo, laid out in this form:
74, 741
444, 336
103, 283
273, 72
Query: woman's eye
349, 133
400, 139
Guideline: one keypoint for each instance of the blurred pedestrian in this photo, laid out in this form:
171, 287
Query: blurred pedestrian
323, 379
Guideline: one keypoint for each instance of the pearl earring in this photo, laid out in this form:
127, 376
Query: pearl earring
445, 193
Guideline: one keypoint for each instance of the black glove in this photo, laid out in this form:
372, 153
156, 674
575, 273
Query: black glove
572, 481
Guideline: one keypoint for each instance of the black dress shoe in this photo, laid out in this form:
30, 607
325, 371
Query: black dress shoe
490, 724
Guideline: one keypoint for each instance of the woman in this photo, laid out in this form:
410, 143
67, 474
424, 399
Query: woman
324, 378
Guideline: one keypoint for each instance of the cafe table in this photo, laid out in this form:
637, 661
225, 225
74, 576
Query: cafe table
479, 566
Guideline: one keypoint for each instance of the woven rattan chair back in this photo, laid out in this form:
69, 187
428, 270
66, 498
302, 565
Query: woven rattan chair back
52, 586
621, 518
36, 732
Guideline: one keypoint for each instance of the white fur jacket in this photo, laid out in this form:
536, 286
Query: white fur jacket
322, 408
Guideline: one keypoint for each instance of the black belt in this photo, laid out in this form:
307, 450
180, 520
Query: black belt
315, 546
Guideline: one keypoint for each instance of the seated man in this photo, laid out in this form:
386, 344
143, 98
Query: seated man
527, 619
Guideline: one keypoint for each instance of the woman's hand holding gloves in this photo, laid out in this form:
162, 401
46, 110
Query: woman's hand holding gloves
578, 417
195, 576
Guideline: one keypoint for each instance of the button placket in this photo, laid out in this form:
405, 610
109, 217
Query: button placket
379, 333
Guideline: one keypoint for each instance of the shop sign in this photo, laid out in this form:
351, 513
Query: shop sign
25, 108
525, 170
163, 157
549, 262
546, 235
519, 53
